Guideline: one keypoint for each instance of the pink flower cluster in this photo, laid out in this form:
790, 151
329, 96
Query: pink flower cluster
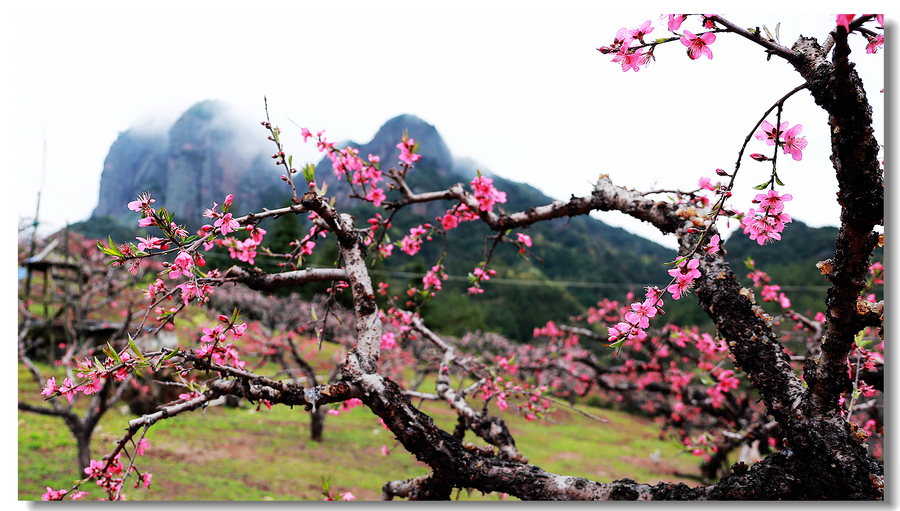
433, 277
212, 337
244, 250
698, 46
478, 275
93, 378
408, 148
412, 242
453, 216
789, 139
486, 194
684, 276
637, 319
627, 57
766, 224
345, 406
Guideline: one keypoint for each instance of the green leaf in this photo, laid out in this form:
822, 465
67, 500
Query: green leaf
111, 352
778, 180
112, 250
762, 186
309, 172
167, 357
777, 30
135, 349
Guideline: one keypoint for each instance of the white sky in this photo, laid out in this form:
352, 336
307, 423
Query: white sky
522, 91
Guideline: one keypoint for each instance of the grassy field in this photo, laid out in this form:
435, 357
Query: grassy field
244, 454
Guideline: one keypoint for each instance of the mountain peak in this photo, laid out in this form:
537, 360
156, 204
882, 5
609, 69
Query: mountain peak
432, 146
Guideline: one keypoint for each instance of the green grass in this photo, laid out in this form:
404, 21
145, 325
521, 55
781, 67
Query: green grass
244, 454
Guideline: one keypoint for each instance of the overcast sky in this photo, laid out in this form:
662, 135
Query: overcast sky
522, 91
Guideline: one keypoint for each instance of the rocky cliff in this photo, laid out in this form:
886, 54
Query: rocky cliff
204, 156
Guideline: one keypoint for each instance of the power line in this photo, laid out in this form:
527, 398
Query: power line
559, 283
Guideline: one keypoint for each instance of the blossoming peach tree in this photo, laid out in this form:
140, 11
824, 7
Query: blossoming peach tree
811, 406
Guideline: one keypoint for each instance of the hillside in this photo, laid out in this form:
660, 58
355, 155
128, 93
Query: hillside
204, 156
790, 263
574, 263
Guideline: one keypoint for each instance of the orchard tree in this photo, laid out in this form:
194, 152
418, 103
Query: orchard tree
76, 319
819, 452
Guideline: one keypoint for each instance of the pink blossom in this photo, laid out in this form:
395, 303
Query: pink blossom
431, 278
376, 195
50, 388
713, 245
875, 43
384, 450
769, 134
771, 202
93, 386
449, 221
641, 312
214, 334
388, 341
675, 21
501, 401
227, 224
149, 243
144, 478
641, 31
412, 242
524, 238
182, 265
623, 38
784, 301
843, 20
684, 277
764, 227
68, 389
257, 233
178, 231
142, 203
698, 45
793, 143
407, 151
486, 194
631, 59
52, 494
141, 446
770, 292
211, 212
